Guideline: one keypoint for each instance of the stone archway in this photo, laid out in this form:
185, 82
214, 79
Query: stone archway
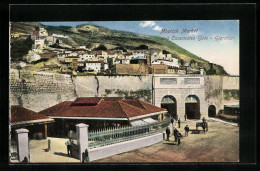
212, 111
169, 102
192, 107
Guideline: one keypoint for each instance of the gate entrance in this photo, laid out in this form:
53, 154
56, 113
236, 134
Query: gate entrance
192, 107
169, 103
212, 111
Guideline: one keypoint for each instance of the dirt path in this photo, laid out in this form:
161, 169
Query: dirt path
219, 144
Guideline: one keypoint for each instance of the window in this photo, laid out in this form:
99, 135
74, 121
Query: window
168, 81
168, 99
191, 81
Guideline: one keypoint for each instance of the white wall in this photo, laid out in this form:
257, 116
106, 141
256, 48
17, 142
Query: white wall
110, 150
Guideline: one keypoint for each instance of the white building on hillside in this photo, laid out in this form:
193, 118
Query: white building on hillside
96, 66
173, 62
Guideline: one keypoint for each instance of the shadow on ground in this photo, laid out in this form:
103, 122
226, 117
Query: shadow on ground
61, 154
194, 131
168, 143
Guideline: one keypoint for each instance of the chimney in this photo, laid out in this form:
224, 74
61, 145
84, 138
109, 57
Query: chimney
201, 71
148, 58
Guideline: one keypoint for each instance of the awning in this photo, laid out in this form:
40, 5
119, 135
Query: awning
142, 122
232, 106
137, 123
149, 120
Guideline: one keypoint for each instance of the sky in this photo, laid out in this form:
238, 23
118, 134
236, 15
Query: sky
223, 52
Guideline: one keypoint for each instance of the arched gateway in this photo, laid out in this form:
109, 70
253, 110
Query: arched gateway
192, 107
180, 95
170, 103
212, 111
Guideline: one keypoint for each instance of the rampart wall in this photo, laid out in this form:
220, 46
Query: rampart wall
40, 90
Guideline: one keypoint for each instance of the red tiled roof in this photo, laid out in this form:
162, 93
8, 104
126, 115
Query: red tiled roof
59, 108
84, 101
21, 114
140, 104
107, 107
113, 98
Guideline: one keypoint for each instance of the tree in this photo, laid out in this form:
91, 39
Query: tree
20, 47
192, 62
57, 41
101, 47
181, 62
120, 48
142, 47
211, 70
166, 52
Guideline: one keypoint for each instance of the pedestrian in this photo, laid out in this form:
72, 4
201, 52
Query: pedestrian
179, 122
204, 127
185, 116
179, 138
175, 133
203, 120
168, 133
187, 129
68, 143
172, 121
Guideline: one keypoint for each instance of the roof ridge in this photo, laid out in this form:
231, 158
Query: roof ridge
133, 106
122, 108
140, 103
144, 106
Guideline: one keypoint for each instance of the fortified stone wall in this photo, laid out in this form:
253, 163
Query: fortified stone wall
221, 90
231, 83
134, 87
40, 90
214, 91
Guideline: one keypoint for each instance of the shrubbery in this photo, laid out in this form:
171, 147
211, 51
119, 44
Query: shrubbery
20, 47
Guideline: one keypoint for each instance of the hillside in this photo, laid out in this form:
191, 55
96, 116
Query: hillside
91, 36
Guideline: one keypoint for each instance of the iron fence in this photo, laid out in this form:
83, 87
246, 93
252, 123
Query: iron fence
108, 136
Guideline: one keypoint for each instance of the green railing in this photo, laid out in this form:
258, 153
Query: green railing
108, 136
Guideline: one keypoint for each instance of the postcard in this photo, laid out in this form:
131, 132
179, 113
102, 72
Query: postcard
124, 91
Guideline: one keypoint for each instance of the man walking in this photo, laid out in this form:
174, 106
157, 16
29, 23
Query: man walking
179, 138
204, 127
168, 133
187, 129
68, 143
175, 133
185, 116
179, 123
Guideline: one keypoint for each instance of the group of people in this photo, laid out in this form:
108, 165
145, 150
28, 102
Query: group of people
177, 135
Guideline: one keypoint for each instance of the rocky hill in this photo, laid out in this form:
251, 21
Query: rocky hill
92, 36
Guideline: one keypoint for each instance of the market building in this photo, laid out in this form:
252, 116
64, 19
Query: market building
100, 112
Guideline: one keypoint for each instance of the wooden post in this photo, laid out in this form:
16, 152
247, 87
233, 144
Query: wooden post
45, 131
